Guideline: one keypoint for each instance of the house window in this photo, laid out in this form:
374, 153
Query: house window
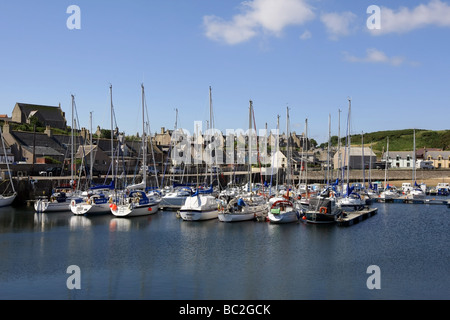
408, 158
398, 158
408, 164
429, 158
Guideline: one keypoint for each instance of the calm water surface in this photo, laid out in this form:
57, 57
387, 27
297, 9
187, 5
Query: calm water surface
162, 257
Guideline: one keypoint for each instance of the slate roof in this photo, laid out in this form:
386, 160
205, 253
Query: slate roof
52, 116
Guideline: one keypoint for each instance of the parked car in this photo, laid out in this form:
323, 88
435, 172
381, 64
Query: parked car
427, 165
53, 171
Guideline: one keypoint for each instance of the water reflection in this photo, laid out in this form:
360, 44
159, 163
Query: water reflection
162, 257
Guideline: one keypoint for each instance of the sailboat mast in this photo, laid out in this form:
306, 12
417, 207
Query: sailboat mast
250, 134
349, 143
7, 161
386, 164
306, 162
112, 135
328, 152
144, 142
277, 151
363, 161
414, 160
91, 155
72, 141
288, 159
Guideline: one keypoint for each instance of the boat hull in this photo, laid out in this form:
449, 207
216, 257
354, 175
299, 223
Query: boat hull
51, 206
7, 200
284, 217
235, 217
172, 203
80, 209
129, 210
317, 217
197, 215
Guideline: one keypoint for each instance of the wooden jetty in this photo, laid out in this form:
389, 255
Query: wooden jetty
352, 217
416, 201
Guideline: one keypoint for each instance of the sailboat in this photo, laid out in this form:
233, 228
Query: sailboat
351, 199
202, 205
244, 206
7, 200
389, 192
138, 202
98, 198
324, 208
175, 196
416, 192
282, 209
62, 196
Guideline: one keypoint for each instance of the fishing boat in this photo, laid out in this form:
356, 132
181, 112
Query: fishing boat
243, 208
323, 209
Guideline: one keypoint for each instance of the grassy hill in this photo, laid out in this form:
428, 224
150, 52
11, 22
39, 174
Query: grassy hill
402, 140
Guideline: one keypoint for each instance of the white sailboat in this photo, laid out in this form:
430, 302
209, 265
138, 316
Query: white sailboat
7, 200
282, 210
62, 197
389, 192
350, 200
175, 198
97, 199
244, 206
138, 202
416, 192
202, 205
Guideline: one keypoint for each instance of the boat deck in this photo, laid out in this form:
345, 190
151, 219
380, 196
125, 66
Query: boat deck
353, 217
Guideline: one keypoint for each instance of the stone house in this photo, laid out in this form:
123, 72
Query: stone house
441, 159
400, 159
356, 156
46, 115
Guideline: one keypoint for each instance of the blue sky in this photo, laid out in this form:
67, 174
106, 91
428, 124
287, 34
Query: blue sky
308, 55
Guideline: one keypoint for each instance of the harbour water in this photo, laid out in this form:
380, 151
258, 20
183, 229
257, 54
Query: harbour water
160, 257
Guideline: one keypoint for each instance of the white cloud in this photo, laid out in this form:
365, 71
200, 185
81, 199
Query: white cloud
403, 20
258, 16
338, 24
376, 56
306, 35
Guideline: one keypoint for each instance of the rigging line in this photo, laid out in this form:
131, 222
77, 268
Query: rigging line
151, 142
